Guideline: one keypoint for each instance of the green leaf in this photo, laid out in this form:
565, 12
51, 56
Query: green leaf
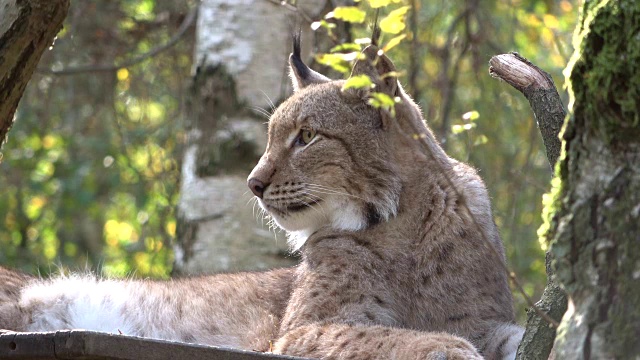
347, 13
358, 82
394, 42
322, 23
471, 115
346, 47
457, 129
394, 22
481, 139
380, 3
339, 62
384, 101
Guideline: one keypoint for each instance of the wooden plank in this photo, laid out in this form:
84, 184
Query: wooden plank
27, 346
90, 345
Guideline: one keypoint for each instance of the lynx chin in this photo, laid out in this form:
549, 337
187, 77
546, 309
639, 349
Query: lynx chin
401, 258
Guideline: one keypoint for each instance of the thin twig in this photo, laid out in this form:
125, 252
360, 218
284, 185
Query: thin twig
188, 21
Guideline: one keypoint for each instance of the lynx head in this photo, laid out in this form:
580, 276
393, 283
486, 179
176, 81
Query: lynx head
330, 158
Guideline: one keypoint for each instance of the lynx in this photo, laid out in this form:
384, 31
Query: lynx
401, 258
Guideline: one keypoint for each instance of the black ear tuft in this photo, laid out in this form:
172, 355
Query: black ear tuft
296, 59
301, 75
375, 34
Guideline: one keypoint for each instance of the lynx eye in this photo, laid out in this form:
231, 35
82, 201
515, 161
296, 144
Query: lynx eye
305, 137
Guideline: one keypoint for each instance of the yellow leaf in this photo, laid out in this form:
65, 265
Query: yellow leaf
380, 3
394, 22
348, 13
394, 42
358, 82
171, 228
551, 21
339, 62
457, 129
471, 115
482, 139
122, 74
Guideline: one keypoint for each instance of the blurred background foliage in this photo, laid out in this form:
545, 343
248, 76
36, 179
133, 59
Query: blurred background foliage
90, 173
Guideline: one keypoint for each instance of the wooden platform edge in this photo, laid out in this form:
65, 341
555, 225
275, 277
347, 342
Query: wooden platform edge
92, 345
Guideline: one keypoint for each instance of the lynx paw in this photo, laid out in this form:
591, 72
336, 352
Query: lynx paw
439, 346
339, 341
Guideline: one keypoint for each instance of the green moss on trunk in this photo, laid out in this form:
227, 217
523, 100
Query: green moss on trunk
594, 213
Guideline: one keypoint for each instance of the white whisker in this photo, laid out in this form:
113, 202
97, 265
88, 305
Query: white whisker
260, 111
273, 106
326, 190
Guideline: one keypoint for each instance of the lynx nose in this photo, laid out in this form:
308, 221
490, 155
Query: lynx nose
257, 187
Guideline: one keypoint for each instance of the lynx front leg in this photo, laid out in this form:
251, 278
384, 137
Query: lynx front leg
340, 341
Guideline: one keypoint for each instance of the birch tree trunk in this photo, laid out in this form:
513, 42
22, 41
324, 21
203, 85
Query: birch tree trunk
595, 216
27, 28
240, 67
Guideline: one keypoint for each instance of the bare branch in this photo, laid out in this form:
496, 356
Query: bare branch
538, 87
188, 21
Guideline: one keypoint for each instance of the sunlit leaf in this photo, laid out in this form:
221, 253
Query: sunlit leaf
358, 82
348, 13
381, 3
322, 23
471, 115
457, 129
50, 141
383, 101
122, 74
551, 21
171, 228
339, 62
481, 139
34, 206
394, 22
394, 42
346, 47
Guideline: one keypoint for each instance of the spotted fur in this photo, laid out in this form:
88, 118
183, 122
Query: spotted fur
400, 255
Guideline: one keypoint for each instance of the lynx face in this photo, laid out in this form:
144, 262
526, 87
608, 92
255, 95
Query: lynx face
327, 163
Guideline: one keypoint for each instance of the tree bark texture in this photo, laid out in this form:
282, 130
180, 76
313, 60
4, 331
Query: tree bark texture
27, 28
538, 87
595, 216
240, 71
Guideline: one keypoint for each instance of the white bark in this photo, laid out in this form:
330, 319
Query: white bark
252, 39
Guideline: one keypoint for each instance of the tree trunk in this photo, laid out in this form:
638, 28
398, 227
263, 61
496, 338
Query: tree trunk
241, 68
595, 216
27, 28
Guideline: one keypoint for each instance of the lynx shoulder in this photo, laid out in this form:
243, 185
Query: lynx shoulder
400, 254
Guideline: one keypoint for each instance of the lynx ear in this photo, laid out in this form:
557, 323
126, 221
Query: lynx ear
379, 68
301, 75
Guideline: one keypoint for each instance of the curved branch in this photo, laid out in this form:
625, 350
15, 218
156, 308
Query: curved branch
538, 87
188, 21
